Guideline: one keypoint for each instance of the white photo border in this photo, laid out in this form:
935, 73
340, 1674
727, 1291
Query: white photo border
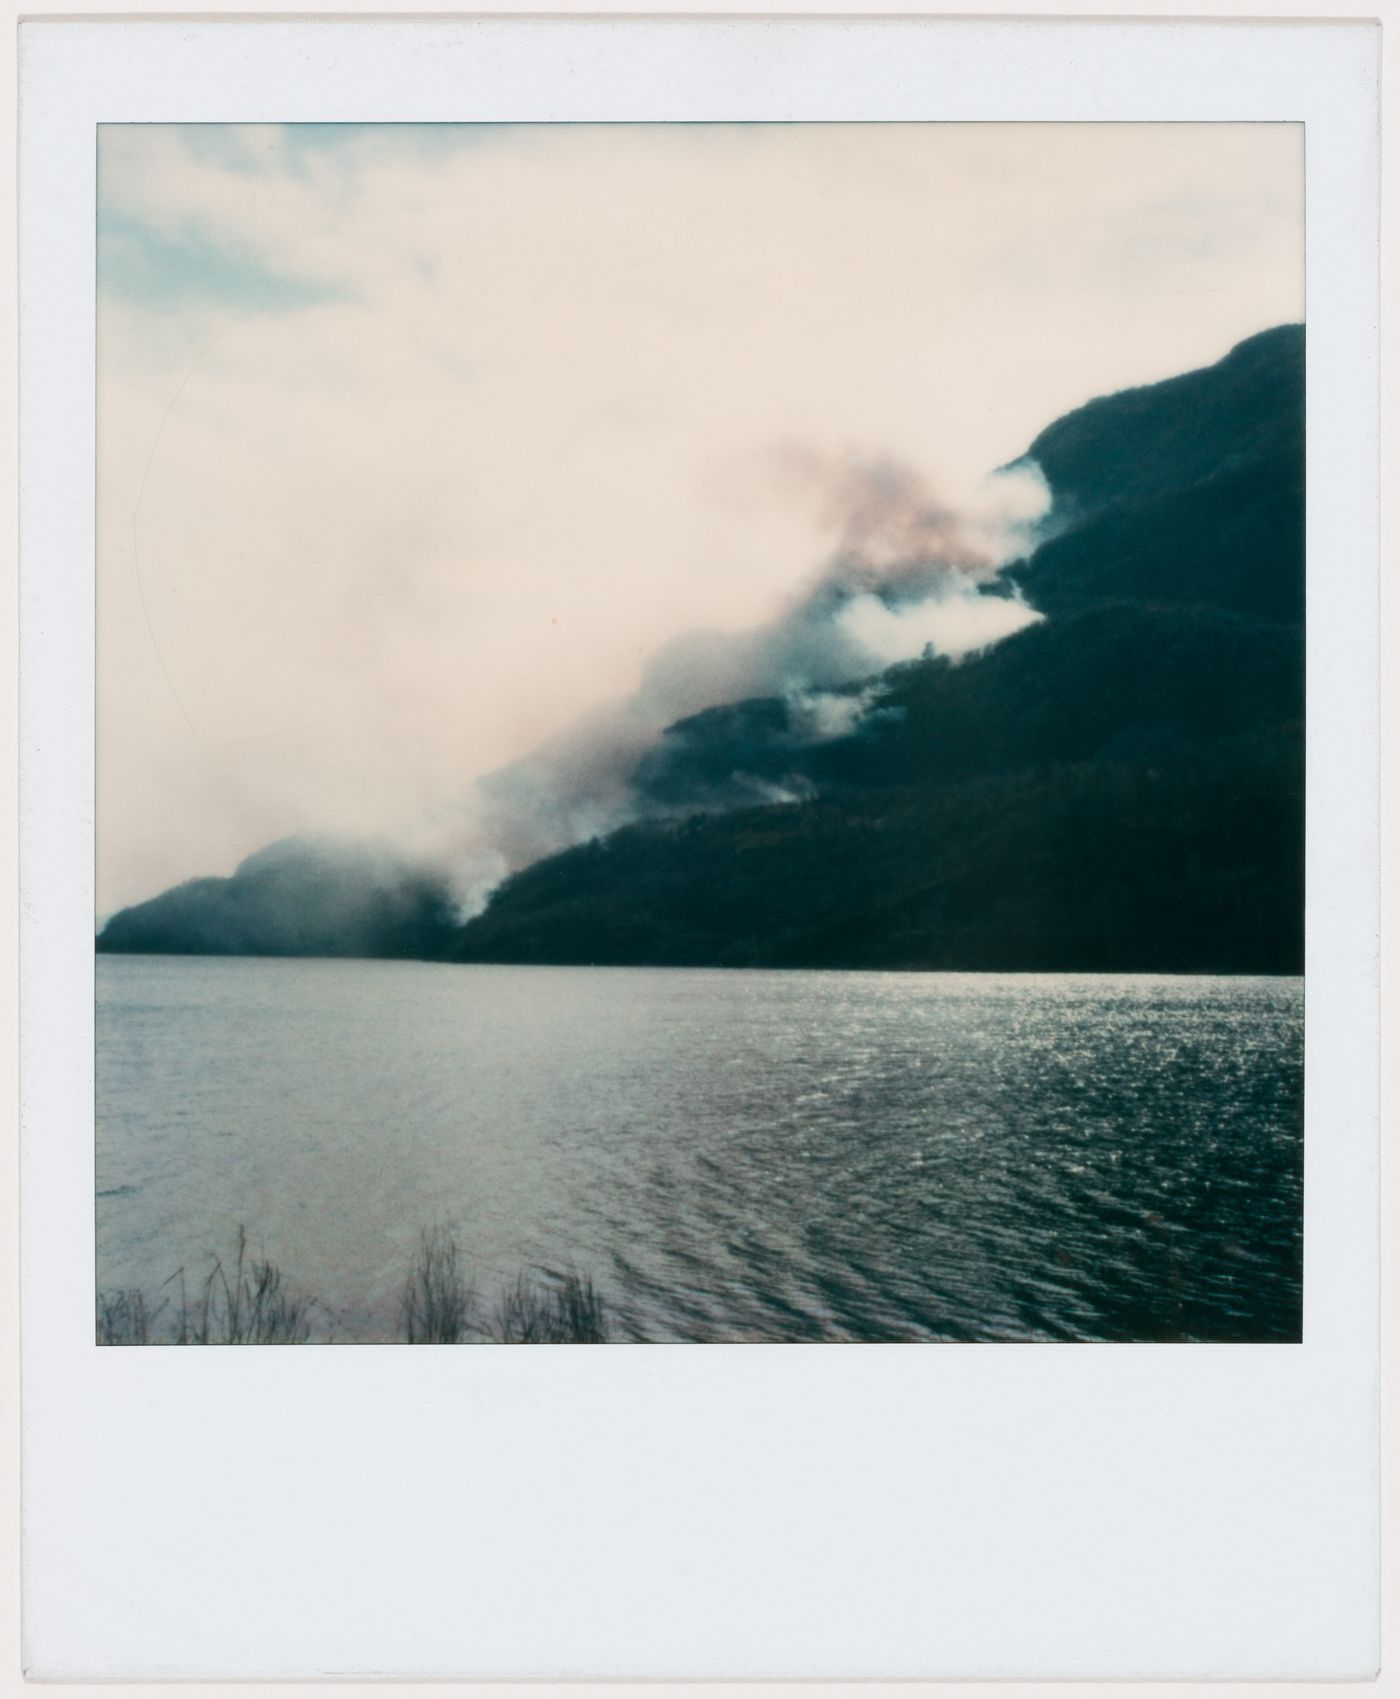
665, 1512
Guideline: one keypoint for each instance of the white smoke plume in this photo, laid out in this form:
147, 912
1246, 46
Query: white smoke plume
908, 576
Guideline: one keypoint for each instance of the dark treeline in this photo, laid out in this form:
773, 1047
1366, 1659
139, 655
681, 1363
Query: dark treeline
1019, 872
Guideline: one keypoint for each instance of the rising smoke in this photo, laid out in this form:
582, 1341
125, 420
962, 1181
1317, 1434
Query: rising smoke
909, 576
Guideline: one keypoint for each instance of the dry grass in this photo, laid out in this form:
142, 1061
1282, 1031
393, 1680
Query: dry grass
562, 1309
246, 1301
123, 1318
438, 1300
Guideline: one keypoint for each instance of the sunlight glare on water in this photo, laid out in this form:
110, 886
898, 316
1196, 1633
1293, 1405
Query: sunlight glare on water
731, 1155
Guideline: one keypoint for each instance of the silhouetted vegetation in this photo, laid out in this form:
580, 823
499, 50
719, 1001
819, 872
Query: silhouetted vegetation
248, 1302
245, 1303
438, 1301
563, 1310
123, 1318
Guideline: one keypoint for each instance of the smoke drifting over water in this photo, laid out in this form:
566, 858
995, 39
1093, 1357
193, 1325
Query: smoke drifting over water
909, 576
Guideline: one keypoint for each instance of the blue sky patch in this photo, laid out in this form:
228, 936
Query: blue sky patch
166, 273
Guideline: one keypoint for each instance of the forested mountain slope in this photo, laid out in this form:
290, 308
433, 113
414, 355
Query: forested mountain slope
1118, 787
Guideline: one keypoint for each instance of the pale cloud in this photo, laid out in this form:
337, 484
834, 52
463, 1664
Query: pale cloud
415, 444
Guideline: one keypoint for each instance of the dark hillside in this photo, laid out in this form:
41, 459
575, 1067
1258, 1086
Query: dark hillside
1127, 449
1191, 865
299, 897
1112, 681
1118, 787
1187, 491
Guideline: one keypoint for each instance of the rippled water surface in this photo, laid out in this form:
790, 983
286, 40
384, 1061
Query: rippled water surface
732, 1155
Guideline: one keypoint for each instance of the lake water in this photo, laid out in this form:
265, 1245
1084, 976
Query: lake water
730, 1155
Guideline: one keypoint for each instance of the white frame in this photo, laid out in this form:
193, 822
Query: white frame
753, 1511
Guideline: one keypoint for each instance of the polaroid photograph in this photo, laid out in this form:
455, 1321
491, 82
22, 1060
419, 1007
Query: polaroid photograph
682, 689
657, 780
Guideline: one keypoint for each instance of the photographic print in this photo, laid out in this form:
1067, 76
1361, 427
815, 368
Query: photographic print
700, 733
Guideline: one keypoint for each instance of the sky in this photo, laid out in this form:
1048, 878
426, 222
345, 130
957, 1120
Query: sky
418, 445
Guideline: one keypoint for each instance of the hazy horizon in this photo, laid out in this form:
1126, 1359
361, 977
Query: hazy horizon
420, 445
